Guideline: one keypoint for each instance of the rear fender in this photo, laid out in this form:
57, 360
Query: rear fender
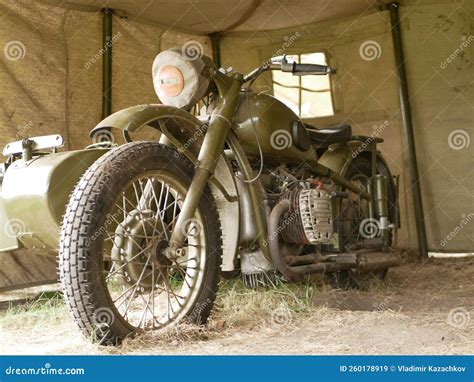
186, 132
338, 158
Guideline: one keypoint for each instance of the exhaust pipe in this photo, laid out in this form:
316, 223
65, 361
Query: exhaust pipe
273, 244
376, 261
292, 268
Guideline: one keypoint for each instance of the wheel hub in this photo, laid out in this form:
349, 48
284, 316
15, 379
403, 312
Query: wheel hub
139, 248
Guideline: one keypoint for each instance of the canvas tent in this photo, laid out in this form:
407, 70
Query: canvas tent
51, 82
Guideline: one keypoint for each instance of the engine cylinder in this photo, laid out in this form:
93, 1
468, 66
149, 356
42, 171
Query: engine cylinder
309, 219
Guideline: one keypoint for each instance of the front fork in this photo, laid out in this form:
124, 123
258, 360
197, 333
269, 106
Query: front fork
211, 149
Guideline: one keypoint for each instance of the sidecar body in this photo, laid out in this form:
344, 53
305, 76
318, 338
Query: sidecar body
35, 184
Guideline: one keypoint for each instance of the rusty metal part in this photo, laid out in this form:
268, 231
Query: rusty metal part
273, 228
293, 267
376, 261
303, 259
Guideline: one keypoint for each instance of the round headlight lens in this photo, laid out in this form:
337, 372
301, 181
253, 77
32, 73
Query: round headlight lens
178, 81
170, 81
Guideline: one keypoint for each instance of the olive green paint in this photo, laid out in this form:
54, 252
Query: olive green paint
35, 194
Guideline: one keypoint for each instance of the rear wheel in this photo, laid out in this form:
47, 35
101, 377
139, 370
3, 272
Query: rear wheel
116, 277
356, 227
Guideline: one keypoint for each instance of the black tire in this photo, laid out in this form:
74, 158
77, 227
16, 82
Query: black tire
361, 166
81, 261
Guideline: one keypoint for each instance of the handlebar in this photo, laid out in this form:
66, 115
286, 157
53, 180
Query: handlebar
305, 69
291, 67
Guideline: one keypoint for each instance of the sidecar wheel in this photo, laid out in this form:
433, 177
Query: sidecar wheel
115, 275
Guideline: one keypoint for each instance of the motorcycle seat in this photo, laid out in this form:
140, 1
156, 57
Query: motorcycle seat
329, 135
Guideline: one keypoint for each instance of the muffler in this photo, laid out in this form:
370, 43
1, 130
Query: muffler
375, 261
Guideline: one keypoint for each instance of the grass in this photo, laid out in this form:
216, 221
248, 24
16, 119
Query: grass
239, 305
284, 318
43, 309
235, 308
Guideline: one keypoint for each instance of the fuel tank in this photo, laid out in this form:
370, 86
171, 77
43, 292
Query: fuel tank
281, 134
34, 195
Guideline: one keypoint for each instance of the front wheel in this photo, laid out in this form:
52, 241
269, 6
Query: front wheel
115, 275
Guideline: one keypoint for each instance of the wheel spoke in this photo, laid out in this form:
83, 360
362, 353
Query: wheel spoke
128, 262
141, 215
158, 213
181, 270
135, 195
146, 213
136, 286
124, 229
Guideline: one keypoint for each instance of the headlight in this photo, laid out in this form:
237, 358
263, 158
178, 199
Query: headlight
179, 81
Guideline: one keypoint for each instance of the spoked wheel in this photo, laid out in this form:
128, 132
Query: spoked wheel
356, 226
116, 275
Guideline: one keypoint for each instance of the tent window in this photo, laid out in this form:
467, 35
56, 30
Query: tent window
307, 96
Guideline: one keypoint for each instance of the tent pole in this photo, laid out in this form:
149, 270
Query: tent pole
216, 48
407, 124
106, 62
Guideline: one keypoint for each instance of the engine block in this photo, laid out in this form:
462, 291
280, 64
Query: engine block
309, 220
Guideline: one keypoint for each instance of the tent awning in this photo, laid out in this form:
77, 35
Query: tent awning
208, 16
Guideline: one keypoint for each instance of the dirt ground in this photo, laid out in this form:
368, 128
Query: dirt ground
420, 309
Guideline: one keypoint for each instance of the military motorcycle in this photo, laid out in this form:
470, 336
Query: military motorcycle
241, 186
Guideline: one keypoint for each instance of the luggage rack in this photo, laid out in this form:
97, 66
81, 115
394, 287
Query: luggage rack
29, 145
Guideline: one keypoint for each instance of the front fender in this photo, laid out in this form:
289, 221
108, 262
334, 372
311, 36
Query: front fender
135, 117
186, 132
